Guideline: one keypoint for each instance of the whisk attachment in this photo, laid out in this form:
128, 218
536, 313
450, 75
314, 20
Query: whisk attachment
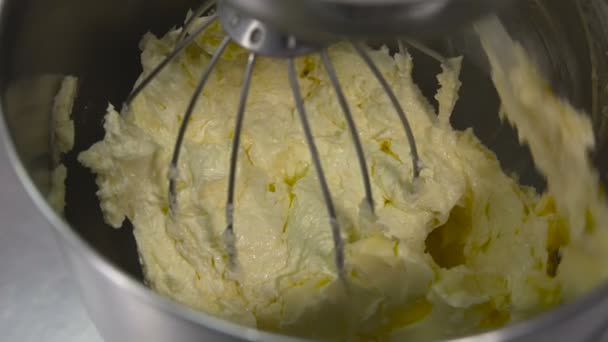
257, 36
261, 39
332, 20
160, 67
393, 98
333, 77
229, 238
173, 174
314, 153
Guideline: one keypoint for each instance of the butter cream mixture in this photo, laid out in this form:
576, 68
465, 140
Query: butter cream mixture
560, 139
463, 247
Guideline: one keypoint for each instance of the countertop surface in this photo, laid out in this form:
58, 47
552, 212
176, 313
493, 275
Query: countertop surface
39, 300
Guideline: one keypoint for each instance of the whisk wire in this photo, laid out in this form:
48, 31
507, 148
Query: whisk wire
201, 10
331, 210
333, 77
229, 234
427, 51
229, 237
173, 173
402, 48
393, 98
178, 49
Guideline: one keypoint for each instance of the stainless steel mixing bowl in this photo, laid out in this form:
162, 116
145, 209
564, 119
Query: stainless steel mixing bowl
97, 41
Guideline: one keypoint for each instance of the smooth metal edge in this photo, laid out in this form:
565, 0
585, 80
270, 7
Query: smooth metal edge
313, 20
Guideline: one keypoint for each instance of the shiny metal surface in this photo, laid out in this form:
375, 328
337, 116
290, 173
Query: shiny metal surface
335, 19
39, 296
95, 40
261, 38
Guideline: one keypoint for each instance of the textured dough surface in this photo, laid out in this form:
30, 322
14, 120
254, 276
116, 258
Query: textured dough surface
463, 247
561, 152
63, 139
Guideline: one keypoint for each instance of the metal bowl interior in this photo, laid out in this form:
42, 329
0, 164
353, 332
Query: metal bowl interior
97, 41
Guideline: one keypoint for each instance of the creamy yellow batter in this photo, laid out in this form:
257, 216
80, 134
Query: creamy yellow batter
464, 247
560, 139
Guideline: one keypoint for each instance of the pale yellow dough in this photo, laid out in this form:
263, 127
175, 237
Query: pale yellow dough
63, 139
464, 247
560, 139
